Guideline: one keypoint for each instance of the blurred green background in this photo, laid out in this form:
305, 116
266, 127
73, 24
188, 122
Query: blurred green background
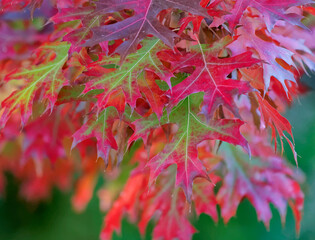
56, 220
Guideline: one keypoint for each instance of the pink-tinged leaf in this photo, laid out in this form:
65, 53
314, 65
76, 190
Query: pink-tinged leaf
46, 75
296, 42
268, 52
262, 181
270, 10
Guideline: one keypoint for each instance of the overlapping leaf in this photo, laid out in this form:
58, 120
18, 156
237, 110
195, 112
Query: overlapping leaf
277, 123
192, 130
262, 182
100, 127
128, 75
142, 23
210, 77
268, 52
46, 75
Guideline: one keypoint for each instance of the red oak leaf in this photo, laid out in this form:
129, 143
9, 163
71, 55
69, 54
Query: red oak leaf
210, 77
46, 75
142, 23
182, 150
128, 76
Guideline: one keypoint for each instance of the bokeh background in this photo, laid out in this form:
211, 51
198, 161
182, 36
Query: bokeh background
55, 218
